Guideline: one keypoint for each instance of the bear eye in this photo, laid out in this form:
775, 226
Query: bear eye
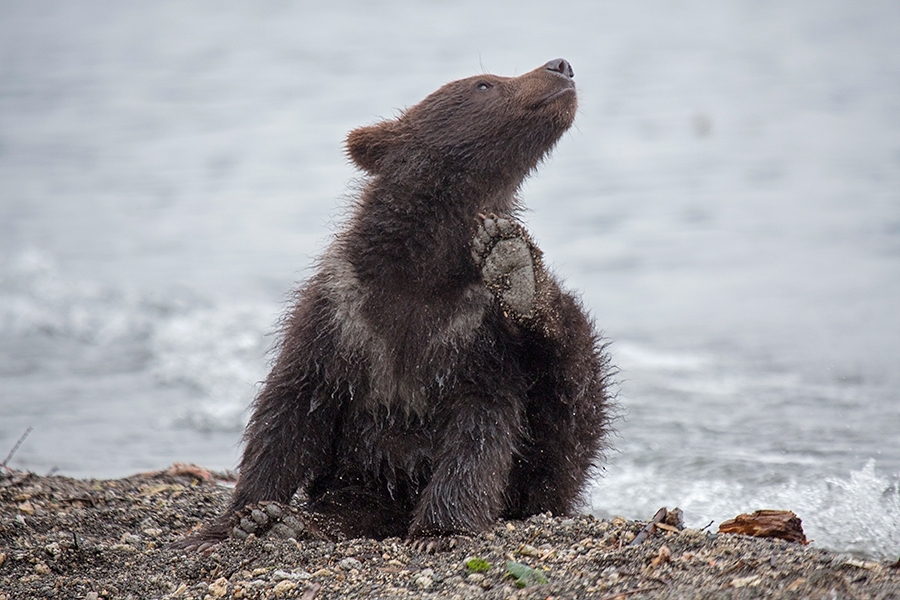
482, 86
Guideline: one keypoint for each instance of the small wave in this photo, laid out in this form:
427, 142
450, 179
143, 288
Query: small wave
35, 297
640, 356
218, 353
52, 325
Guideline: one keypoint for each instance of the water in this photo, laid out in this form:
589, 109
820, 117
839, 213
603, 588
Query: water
728, 203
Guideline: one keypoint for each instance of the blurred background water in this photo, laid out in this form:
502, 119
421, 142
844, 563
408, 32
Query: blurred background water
728, 203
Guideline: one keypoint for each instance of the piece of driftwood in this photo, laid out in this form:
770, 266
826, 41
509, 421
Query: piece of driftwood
667, 520
648, 530
674, 518
782, 524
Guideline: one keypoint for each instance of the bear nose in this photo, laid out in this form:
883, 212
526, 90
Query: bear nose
560, 65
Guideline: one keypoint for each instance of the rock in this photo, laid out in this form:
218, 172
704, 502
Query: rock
423, 582
279, 575
283, 588
218, 588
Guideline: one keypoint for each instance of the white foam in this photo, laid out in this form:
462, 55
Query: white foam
37, 298
219, 354
641, 356
66, 325
859, 513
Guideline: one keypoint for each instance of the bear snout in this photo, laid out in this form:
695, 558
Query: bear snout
562, 66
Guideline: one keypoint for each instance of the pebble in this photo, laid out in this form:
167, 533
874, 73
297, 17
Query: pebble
181, 589
863, 564
280, 575
283, 588
218, 588
200, 588
751, 581
350, 563
423, 582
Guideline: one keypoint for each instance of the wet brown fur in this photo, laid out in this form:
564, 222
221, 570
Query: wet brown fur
403, 401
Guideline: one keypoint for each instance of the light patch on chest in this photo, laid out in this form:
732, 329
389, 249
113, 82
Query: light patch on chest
407, 387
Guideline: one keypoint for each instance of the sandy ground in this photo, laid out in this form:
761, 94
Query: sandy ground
92, 539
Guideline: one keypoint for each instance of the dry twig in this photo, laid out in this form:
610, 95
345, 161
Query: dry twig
14, 448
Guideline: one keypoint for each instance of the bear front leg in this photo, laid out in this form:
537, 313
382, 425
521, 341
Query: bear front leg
284, 450
568, 399
289, 437
568, 415
465, 492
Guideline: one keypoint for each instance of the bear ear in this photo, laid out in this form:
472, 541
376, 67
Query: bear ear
368, 146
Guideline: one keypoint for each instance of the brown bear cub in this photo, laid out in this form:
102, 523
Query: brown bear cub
432, 376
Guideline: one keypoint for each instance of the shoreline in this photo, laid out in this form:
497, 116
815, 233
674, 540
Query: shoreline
93, 539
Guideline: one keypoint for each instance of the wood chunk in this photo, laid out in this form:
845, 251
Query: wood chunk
191, 470
783, 524
650, 528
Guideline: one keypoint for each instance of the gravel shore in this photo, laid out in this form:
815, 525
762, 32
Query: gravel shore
92, 539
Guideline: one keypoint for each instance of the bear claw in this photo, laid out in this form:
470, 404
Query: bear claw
432, 545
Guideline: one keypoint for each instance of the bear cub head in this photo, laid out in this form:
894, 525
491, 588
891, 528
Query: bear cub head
487, 132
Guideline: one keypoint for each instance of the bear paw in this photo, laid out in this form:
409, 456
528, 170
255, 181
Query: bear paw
271, 519
506, 256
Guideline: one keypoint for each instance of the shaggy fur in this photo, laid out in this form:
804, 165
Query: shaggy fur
406, 398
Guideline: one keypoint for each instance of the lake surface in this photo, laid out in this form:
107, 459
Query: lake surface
728, 204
